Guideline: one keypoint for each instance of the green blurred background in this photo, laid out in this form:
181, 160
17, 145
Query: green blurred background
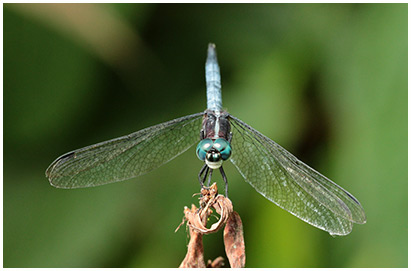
326, 81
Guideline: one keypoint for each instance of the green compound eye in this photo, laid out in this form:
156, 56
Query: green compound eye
222, 146
203, 147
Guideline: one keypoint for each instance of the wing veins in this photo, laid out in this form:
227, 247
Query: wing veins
304, 176
66, 173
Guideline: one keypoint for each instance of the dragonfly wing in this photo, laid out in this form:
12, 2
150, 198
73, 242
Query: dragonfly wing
125, 157
283, 179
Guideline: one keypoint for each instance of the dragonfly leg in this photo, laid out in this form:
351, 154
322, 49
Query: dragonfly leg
201, 179
225, 180
205, 176
209, 177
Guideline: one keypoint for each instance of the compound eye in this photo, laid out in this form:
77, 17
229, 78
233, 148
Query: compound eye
223, 147
203, 147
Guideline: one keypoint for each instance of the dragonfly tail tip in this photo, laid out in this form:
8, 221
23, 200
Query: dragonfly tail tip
211, 54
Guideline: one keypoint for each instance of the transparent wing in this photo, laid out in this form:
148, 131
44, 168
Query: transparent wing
283, 179
125, 157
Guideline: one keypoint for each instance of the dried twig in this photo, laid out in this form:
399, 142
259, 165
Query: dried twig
197, 222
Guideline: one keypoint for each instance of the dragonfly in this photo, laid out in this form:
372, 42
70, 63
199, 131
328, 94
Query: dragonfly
270, 169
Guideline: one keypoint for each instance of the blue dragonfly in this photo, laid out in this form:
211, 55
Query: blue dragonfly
270, 169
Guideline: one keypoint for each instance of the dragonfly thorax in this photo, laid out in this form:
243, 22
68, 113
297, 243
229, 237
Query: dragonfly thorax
213, 152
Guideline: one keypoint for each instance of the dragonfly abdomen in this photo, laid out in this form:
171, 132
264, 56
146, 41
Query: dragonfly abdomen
213, 80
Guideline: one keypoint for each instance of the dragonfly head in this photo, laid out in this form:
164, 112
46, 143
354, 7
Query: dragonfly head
213, 152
